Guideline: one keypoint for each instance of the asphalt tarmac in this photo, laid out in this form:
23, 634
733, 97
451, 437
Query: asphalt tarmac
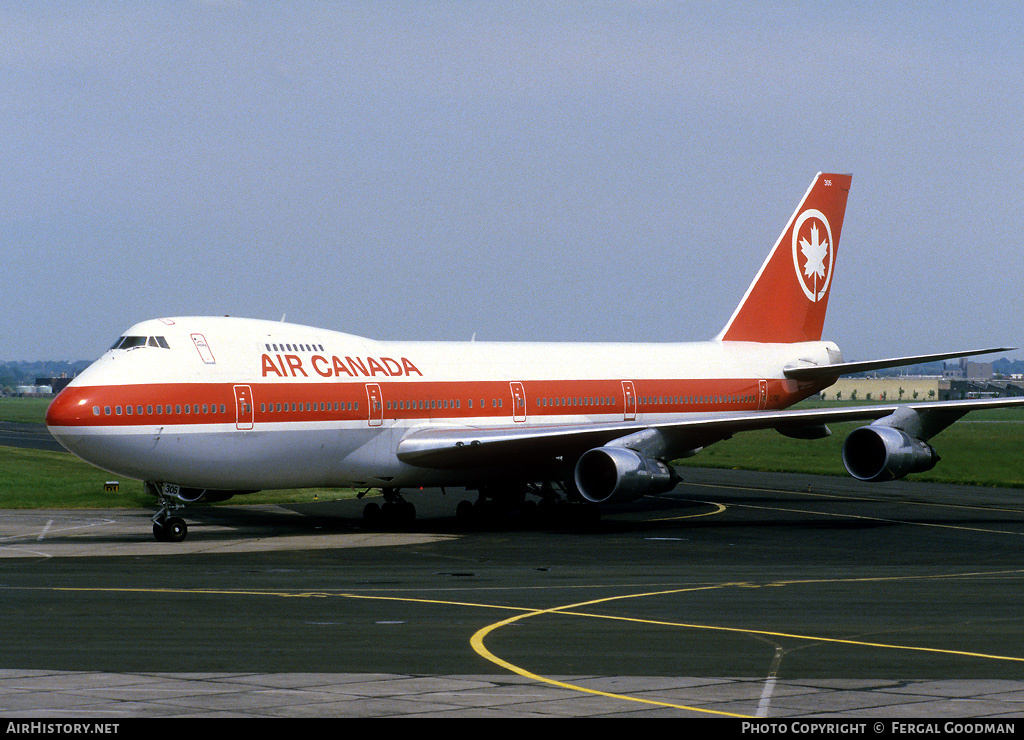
738, 594
31, 436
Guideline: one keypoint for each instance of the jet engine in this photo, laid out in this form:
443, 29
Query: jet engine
619, 474
881, 453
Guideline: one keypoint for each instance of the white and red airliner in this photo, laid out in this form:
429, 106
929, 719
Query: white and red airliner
209, 407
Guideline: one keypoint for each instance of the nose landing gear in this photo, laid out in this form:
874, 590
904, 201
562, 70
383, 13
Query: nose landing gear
167, 528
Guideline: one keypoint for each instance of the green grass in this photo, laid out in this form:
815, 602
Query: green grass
40, 479
24, 410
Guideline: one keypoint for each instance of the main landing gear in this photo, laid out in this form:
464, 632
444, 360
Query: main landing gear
396, 511
507, 505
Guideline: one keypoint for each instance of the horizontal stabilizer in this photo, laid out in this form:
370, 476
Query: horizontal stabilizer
814, 372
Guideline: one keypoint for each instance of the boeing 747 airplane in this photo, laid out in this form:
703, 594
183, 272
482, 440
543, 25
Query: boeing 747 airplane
203, 408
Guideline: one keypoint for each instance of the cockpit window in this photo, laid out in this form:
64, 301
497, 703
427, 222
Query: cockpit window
130, 342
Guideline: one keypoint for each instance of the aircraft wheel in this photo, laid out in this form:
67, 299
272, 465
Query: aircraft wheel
371, 514
589, 515
529, 513
550, 513
172, 529
464, 512
175, 529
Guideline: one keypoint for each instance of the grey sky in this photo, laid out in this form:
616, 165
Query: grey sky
534, 171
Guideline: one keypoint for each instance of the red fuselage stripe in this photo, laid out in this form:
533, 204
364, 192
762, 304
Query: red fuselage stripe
216, 403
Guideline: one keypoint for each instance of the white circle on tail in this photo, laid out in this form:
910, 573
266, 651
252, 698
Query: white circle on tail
813, 254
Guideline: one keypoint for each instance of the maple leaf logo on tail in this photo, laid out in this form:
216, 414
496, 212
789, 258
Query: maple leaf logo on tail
815, 252
774, 308
812, 243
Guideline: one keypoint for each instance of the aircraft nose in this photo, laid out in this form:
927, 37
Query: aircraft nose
67, 414
80, 420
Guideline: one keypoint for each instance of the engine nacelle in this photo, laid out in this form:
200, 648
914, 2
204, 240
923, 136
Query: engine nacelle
880, 453
618, 474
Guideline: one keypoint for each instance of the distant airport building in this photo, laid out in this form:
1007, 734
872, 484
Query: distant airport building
56, 385
964, 369
33, 390
995, 388
920, 388
907, 388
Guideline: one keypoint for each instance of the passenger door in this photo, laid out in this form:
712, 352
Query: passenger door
518, 401
244, 412
629, 401
375, 401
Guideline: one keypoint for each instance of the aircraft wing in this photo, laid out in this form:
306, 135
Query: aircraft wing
814, 372
473, 447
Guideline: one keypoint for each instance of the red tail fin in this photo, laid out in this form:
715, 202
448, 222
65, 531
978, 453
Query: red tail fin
787, 300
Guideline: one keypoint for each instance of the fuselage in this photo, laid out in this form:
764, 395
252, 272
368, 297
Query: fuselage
242, 404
